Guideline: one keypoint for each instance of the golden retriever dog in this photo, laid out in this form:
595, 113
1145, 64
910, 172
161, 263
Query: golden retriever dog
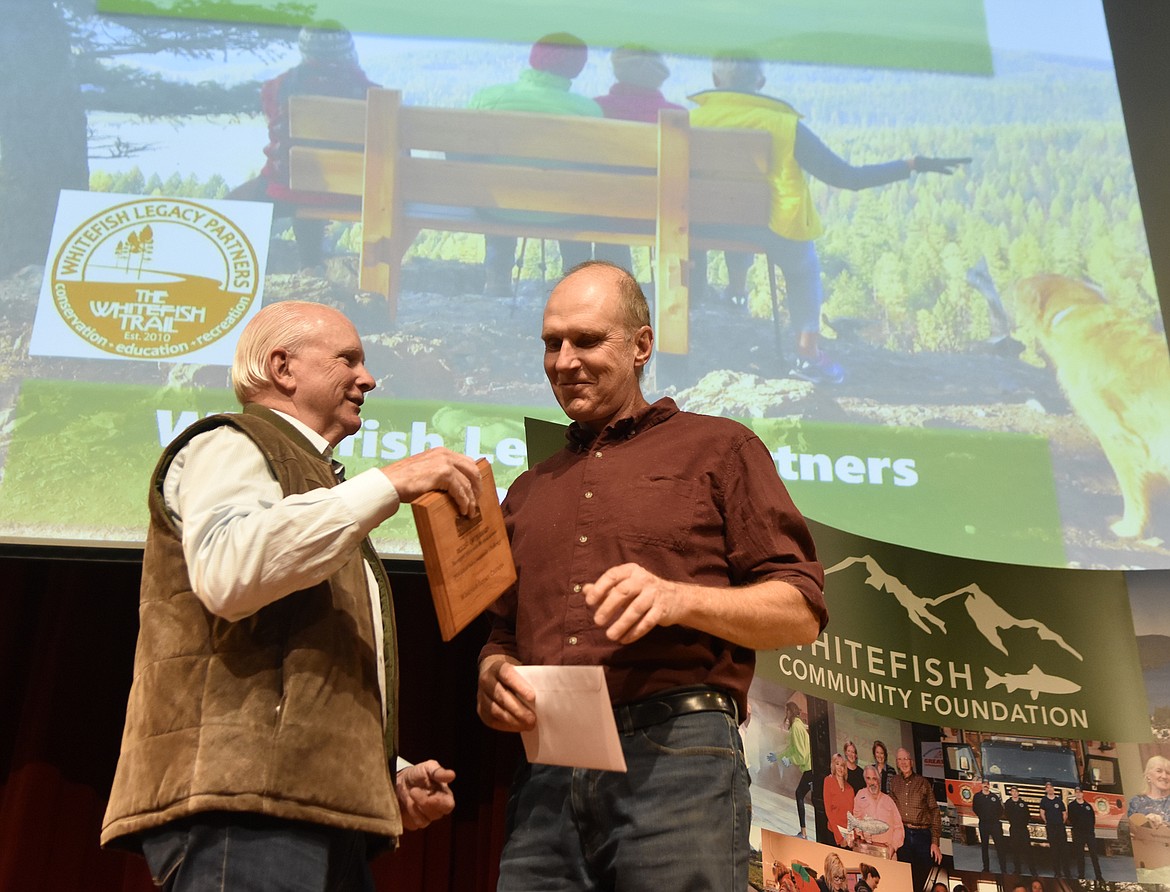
1115, 371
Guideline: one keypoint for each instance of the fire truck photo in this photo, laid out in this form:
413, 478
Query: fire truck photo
1028, 763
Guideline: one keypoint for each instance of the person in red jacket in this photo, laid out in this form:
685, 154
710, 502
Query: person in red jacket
636, 95
838, 799
328, 67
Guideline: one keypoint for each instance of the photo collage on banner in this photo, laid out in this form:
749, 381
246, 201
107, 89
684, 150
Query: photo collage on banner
1009, 715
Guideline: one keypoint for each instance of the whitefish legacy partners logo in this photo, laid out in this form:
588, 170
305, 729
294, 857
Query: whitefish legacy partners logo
150, 278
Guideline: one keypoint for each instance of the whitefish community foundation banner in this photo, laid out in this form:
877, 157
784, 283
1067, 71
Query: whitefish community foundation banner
948, 641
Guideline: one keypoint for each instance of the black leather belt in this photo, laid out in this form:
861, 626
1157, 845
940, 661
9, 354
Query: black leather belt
668, 704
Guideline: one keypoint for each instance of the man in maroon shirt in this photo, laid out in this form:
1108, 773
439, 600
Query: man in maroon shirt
662, 546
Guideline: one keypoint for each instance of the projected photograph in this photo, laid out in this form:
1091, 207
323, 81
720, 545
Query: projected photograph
1147, 598
909, 254
820, 773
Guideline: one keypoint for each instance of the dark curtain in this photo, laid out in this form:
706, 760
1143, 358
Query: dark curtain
67, 634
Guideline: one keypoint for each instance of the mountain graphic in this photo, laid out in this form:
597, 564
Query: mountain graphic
990, 619
917, 609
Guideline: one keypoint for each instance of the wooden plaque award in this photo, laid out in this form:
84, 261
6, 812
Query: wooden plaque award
468, 559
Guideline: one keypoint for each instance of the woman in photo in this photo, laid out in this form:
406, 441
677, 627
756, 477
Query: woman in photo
881, 762
838, 798
853, 771
1154, 804
833, 879
797, 753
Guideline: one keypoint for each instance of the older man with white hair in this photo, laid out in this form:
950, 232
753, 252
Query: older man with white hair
261, 728
914, 796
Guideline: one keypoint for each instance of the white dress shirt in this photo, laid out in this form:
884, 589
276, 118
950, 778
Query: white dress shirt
247, 545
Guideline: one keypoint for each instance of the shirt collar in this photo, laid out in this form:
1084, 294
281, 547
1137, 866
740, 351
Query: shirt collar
320, 443
743, 99
581, 438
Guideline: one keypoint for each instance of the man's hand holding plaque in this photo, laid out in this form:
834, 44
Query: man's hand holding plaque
468, 559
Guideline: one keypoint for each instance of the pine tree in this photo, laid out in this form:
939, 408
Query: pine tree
59, 60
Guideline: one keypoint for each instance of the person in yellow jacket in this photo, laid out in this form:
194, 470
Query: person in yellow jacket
736, 102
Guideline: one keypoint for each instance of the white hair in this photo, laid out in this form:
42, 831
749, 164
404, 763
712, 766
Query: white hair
286, 324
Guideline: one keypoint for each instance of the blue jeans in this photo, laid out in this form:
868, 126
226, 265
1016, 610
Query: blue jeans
251, 853
678, 819
500, 256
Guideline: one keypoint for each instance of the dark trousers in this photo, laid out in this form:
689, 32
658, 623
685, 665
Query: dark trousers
1058, 843
1080, 843
1021, 844
989, 833
803, 789
916, 850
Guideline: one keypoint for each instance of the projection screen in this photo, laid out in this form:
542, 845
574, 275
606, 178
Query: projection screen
1006, 381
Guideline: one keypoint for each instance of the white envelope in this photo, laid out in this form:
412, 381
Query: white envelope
574, 719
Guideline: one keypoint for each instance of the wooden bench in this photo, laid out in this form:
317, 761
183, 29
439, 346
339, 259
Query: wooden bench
401, 169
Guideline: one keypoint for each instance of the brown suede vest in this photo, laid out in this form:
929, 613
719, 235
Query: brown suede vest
278, 714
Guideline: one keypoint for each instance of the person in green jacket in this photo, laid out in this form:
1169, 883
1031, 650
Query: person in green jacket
543, 87
797, 753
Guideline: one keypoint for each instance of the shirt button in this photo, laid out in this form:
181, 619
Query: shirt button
572, 639
583, 539
577, 587
597, 454
589, 494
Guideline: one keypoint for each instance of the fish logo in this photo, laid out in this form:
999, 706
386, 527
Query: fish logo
1035, 681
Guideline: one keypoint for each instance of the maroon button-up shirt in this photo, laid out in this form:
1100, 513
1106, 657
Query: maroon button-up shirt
692, 498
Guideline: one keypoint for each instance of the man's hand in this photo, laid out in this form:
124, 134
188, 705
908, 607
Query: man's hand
936, 853
424, 794
505, 701
437, 469
948, 166
629, 601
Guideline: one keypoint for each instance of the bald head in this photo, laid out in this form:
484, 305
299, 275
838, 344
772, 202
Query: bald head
597, 339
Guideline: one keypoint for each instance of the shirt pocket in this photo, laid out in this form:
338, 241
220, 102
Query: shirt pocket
659, 510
